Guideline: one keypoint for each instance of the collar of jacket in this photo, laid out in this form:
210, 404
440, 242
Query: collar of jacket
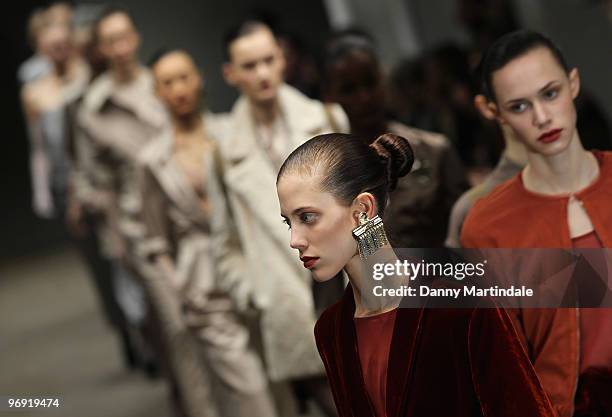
160, 150
136, 96
302, 115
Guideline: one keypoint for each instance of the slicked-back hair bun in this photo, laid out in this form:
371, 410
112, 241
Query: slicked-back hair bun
396, 154
348, 166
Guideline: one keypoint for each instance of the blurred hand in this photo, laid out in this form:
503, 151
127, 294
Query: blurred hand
75, 219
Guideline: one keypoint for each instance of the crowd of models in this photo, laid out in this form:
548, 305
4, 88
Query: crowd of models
177, 212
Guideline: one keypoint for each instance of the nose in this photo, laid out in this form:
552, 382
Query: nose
262, 71
541, 117
298, 241
179, 89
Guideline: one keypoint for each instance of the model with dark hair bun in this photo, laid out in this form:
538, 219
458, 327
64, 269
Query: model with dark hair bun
384, 360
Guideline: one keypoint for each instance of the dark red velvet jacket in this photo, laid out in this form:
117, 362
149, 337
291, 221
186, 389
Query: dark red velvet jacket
442, 362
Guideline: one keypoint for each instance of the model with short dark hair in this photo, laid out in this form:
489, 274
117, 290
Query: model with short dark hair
561, 199
266, 123
208, 344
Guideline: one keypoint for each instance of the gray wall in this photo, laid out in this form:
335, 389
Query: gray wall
436, 22
584, 32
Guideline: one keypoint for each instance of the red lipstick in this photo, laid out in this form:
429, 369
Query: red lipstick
309, 261
550, 136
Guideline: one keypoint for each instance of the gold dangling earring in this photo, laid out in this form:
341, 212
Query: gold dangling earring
370, 235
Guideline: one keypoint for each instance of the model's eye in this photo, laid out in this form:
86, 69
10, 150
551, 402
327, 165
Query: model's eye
518, 107
308, 218
249, 66
551, 94
287, 222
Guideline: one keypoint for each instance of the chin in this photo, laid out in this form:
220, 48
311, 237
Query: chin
323, 275
554, 149
184, 111
268, 96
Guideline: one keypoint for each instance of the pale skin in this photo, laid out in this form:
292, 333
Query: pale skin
178, 84
321, 228
118, 43
256, 68
48, 93
45, 94
534, 95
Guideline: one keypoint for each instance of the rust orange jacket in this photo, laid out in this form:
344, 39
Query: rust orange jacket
513, 217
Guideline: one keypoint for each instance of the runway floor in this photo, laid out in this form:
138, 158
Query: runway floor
54, 343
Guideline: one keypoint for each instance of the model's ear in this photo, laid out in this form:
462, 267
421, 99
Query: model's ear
486, 109
574, 79
363, 203
228, 73
491, 111
280, 55
137, 39
156, 88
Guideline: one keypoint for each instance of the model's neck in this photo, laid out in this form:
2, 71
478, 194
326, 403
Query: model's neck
265, 113
187, 123
126, 73
565, 173
362, 282
62, 69
515, 151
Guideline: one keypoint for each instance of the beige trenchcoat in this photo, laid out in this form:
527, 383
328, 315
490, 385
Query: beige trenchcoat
251, 243
177, 224
114, 123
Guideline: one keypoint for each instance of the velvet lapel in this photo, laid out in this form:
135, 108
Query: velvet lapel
348, 359
406, 334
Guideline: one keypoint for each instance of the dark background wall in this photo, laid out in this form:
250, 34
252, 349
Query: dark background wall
20, 231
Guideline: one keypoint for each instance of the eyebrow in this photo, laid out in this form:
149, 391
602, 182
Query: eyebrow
301, 210
546, 87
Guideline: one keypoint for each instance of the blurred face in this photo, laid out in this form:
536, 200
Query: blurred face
60, 13
535, 98
56, 43
355, 83
256, 66
178, 83
118, 40
320, 226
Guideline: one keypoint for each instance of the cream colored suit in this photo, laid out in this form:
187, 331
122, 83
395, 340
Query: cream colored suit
254, 260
